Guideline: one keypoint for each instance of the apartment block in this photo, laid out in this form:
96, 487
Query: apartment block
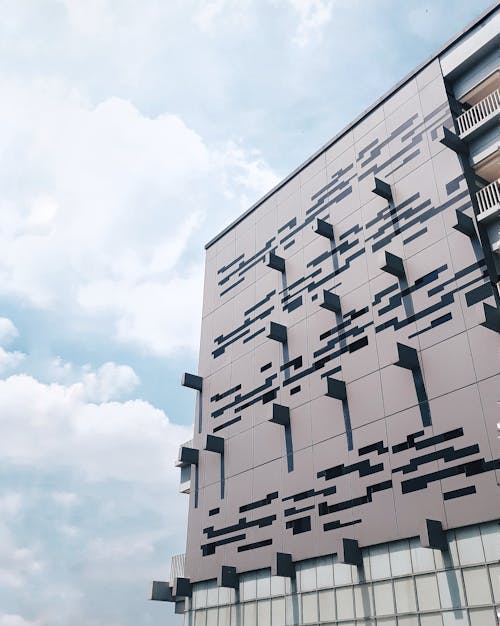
344, 466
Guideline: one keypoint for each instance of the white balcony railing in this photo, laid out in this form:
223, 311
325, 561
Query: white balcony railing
177, 564
479, 113
488, 198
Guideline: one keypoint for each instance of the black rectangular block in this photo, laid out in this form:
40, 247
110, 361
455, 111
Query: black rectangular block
331, 301
382, 189
192, 381
393, 265
277, 332
276, 262
336, 388
281, 415
215, 444
324, 229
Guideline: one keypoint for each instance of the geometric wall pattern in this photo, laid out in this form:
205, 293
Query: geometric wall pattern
376, 410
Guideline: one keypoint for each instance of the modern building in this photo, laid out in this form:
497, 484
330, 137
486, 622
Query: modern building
344, 463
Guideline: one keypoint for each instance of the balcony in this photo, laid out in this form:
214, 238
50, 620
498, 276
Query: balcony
488, 200
481, 115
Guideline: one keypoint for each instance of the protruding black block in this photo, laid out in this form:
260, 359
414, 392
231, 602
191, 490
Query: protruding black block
465, 224
393, 265
281, 415
382, 189
331, 301
433, 535
215, 444
284, 565
452, 141
350, 552
192, 381
276, 262
324, 229
277, 332
407, 357
161, 591
182, 588
188, 456
491, 317
336, 389
229, 577
180, 607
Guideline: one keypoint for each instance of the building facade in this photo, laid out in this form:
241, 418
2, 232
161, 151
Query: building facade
344, 463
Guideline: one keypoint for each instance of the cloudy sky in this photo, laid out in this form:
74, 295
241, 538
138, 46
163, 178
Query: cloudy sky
131, 132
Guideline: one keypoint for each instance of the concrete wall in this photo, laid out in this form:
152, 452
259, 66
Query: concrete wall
404, 445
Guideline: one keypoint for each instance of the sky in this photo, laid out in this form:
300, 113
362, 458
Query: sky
132, 132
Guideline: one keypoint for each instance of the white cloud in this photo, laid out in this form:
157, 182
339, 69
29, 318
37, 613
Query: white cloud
313, 16
9, 619
107, 211
52, 425
65, 498
17, 562
10, 360
8, 331
10, 504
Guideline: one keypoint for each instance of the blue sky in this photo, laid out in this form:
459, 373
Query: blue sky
131, 133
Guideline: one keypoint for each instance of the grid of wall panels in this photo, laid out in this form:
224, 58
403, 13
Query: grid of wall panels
402, 445
399, 583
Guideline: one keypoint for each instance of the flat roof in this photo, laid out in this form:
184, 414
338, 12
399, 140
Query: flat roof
358, 119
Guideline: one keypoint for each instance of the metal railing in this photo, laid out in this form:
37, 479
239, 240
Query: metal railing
177, 567
489, 196
481, 111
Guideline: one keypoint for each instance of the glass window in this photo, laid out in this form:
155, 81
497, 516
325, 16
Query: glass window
341, 573
249, 614
477, 586
451, 589
404, 590
264, 611
248, 586
491, 541
363, 601
309, 608
408, 620
455, 618
212, 593
263, 583
326, 605
345, 606
292, 609
427, 592
431, 619
470, 546
278, 585
384, 600
324, 572
495, 582
386, 621
224, 616
199, 598
278, 611
399, 554
422, 558
306, 575
200, 618
379, 562
226, 595
212, 617
482, 617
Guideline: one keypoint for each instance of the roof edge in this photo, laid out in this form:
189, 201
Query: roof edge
481, 18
